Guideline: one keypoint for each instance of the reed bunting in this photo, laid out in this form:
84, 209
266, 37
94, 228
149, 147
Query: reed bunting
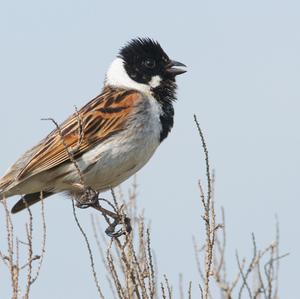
110, 138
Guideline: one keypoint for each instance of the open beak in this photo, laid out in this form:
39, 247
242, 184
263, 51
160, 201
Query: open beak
173, 70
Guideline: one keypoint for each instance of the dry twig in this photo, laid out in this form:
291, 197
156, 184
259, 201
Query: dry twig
12, 259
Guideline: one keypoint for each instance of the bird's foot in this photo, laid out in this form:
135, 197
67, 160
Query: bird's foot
87, 199
90, 198
118, 219
124, 230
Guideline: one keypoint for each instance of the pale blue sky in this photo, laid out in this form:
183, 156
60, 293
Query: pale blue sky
242, 82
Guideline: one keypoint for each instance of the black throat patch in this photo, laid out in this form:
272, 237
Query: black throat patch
165, 94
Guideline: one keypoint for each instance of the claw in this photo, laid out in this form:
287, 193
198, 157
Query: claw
110, 231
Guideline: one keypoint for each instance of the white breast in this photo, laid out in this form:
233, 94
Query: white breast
124, 154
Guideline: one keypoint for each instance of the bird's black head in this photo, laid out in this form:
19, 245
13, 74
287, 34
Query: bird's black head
144, 66
146, 62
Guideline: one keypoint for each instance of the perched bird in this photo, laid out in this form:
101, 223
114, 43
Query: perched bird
110, 138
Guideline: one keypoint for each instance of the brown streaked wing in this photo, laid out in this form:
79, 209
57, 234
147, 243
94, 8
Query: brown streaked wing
100, 118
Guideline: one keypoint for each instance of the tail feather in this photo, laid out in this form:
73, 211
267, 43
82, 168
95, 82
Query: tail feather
28, 200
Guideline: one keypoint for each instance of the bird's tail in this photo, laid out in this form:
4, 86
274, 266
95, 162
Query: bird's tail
29, 200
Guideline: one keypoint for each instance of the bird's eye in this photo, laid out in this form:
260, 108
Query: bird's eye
150, 63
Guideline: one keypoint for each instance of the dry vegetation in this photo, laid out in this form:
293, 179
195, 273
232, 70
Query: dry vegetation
22, 263
130, 268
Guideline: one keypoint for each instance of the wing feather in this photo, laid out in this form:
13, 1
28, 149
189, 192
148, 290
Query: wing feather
99, 119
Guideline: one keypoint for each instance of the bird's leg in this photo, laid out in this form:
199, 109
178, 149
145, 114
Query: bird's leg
87, 199
90, 198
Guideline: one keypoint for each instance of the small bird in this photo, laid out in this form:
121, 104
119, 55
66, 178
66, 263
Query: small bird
110, 138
